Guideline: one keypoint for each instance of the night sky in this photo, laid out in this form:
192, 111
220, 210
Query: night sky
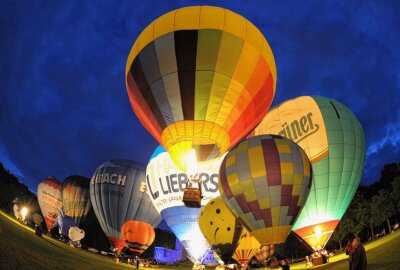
64, 108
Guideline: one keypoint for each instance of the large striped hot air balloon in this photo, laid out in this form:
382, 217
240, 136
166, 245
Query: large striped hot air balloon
200, 78
166, 183
76, 198
333, 140
247, 248
50, 200
265, 181
118, 194
138, 235
220, 227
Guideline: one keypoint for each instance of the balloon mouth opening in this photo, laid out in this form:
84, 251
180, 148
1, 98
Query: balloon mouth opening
317, 235
208, 140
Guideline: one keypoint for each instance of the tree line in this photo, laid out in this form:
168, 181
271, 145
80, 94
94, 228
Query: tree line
374, 210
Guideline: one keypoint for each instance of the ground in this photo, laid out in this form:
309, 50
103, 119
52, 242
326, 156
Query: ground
20, 248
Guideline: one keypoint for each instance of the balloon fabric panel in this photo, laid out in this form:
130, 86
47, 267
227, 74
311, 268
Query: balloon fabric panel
205, 71
270, 192
220, 227
138, 235
124, 198
76, 197
247, 248
333, 139
50, 200
338, 175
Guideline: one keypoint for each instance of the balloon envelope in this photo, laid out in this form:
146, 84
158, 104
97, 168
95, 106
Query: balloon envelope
221, 228
50, 200
200, 78
76, 197
118, 193
265, 181
64, 223
264, 252
247, 248
333, 139
138, 235
165, 186
37, 219
76, 234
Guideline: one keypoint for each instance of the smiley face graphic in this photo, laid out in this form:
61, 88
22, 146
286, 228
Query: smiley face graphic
220, 227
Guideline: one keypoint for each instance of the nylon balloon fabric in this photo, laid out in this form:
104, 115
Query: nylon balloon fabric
247, 248
220, 227
138, 235
334, 141
200, 78
118, 194
50, 200
265, 181
76, 198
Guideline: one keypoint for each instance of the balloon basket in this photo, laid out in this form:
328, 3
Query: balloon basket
71, 245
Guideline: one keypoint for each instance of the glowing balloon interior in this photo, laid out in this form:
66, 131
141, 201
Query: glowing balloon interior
333, 139
200, 78
166, 183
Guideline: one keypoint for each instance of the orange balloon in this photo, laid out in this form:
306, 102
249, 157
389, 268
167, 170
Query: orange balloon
138, 235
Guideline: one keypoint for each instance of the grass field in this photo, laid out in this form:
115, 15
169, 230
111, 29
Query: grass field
20, 248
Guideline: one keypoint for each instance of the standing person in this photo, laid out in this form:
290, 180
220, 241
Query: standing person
349, 251
359, 257
137, 262
284, 264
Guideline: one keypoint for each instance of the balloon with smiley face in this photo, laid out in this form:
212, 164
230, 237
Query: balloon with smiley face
220, 227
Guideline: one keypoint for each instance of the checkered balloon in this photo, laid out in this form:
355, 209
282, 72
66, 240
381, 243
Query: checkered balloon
265, 182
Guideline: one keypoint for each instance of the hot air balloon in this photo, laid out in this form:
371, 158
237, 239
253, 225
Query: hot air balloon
76, 197
264, 253
165, 184
265, 181
220, 228
50, 200
64, 223
37, 219
247, 248
200, 78
333, 140
138, 235
118, 193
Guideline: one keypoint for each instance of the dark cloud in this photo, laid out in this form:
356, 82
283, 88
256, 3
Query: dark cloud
63, 104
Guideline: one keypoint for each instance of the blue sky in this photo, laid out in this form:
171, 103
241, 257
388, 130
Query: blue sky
64, 109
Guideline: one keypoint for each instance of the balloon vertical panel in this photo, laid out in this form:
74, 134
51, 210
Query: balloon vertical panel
166, 183
200, 78
265, 181
76, 197
50, 200
334, 141
118, 193
221, 228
